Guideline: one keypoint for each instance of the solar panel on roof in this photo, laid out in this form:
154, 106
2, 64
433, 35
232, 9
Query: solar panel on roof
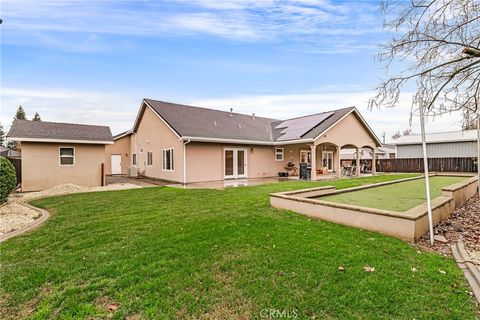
296, 128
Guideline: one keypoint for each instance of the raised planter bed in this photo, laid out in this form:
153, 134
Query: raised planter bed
409, 225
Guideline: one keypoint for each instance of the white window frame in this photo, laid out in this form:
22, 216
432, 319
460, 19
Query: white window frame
134, 159
60, 156
164, 160
150, 153
279, 153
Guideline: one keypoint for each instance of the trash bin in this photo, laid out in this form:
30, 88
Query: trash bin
305, 171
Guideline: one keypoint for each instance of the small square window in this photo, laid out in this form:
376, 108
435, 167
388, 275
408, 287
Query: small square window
279, 154
67, 156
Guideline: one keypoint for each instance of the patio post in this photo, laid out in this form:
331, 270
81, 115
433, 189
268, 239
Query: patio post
374, 162
357, 164
313, 149
338, 164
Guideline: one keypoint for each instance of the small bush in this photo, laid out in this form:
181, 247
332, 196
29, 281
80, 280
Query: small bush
8, 178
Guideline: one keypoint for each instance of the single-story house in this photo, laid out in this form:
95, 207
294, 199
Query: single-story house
453, 144
57, 153
186, 144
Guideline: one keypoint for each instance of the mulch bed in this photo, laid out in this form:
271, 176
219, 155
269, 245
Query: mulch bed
463, 224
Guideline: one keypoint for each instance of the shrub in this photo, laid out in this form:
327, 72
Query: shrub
8, 178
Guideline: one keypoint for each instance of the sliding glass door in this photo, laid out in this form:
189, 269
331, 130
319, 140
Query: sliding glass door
235, 163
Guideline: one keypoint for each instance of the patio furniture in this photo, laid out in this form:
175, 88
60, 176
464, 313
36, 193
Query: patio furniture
291, 168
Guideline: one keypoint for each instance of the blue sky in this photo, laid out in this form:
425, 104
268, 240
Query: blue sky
93, 61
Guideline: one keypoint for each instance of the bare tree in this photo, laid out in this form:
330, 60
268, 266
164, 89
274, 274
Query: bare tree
437, 50
396, 135
407, 132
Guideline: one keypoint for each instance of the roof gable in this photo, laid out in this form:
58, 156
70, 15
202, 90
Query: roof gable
42, 131
204, 124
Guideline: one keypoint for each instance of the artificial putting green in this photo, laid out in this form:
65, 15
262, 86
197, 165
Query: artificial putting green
395, 197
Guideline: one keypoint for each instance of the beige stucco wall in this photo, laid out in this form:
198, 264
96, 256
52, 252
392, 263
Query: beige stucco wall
122, 147
41, 167
154, 135
205, 161
349, 131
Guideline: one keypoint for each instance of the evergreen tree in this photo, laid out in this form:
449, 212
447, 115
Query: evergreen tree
2, 136
21, 115
36, 117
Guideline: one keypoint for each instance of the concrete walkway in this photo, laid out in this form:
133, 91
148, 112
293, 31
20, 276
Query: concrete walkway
142, 182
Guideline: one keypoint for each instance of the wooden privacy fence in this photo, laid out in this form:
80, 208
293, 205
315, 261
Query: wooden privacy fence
17, 163
434, 164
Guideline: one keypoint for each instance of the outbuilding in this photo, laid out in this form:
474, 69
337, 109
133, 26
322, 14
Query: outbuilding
56, 153
452, 144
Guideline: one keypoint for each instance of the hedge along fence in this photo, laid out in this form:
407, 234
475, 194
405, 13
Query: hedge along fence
8, 179
434, 164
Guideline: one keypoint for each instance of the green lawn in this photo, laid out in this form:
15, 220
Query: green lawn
165, 253
395, 197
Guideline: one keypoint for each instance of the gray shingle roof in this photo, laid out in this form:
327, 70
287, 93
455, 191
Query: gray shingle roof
31, 130
189, 121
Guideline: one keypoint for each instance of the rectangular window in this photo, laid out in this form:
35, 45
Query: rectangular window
134, 159
167, 159
279, 154
67, 156
149, 158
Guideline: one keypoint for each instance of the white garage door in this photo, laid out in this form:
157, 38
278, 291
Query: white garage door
116, 164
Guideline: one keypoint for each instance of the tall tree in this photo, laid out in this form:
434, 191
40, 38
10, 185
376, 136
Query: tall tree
437, 50
36, 117
2, 136
20, 114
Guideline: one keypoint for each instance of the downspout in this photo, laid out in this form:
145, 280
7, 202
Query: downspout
185, 161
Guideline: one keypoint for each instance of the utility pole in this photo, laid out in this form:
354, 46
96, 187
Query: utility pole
478, 155
425, 167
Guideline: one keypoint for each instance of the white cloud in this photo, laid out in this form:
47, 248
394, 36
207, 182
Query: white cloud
282, 106
50, 23
118, 111
74, 106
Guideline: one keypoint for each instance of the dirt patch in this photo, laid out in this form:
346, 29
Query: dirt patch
463, 224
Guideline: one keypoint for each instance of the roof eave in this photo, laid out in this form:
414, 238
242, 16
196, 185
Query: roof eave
24, 139
241, 141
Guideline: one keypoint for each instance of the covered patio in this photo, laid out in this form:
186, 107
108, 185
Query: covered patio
324, 160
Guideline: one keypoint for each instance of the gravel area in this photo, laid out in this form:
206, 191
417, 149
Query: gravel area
463, 224
69, 188
14, 215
